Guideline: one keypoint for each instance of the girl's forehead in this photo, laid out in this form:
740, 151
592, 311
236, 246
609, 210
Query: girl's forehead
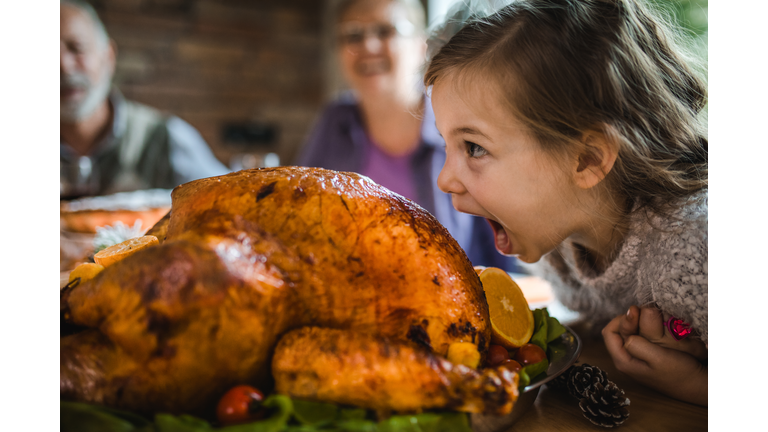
478, 93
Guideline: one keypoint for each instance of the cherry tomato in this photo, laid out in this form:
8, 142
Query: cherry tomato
530, 354
496, 355
511, 365
240, 404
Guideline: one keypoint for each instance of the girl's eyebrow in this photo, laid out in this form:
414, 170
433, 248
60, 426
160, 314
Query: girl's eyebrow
469, 131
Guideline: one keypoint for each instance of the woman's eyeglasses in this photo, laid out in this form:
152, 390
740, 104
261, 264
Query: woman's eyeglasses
355, 34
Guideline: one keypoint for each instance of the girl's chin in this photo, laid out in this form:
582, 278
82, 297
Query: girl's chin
505, 247
528, 260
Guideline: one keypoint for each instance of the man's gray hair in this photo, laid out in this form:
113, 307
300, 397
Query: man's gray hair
91, 12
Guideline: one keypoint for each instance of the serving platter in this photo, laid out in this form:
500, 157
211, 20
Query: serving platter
565, 351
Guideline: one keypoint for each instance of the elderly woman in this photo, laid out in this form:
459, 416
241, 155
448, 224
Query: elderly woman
385, 128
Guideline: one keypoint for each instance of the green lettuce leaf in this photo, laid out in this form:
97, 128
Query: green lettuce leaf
182, 423
285, 415
426, 422
352, 414
357, 425
82, 417
314, 413
540, 324
546, 331
554, 328
555, 351
523, 380
536, 369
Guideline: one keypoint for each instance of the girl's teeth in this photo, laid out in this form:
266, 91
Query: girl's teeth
501, 238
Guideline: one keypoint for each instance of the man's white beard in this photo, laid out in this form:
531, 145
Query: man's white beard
96, 94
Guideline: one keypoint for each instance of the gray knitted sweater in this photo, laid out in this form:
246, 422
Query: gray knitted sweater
662, 260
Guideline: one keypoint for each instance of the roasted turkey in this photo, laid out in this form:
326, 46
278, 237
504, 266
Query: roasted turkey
321, 284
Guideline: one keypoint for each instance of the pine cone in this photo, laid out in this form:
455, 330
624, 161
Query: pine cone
582, 377
605, 405
561, 381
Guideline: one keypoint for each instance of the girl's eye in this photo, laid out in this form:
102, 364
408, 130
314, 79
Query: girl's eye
474, 150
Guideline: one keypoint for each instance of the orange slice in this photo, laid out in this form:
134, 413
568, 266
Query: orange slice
479, 269
122, 250
511, 318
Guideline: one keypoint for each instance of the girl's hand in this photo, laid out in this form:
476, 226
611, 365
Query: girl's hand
648, 322
669, 370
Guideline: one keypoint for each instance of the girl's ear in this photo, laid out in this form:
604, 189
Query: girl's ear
595, 160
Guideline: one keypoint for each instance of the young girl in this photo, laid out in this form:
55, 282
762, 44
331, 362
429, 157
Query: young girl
572, 126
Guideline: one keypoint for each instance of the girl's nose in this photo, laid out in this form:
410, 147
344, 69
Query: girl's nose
447, 180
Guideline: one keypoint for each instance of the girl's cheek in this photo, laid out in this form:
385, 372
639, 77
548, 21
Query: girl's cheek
475, 168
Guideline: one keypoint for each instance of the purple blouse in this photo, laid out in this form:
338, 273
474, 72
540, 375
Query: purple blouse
392, 172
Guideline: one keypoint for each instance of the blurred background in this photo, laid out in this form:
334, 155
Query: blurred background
252, 75
245, 73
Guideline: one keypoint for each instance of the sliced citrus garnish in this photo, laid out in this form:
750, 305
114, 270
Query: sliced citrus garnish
479, 269
511, 318
122, 250
85, 271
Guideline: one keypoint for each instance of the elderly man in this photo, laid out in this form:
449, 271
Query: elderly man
109, 144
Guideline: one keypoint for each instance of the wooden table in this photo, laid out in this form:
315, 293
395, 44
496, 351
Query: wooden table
649, 410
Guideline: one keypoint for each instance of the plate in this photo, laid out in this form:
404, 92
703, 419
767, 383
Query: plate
567, 349
85, 214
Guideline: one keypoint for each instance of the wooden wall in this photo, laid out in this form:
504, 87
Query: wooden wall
213, 62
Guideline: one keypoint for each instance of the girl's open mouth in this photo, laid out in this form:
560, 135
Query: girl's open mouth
503, 244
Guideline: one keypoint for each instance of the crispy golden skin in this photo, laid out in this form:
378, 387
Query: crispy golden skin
249, 256
384, 374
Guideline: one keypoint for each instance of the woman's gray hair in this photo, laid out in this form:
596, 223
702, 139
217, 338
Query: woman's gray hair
413, 8
91, 13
